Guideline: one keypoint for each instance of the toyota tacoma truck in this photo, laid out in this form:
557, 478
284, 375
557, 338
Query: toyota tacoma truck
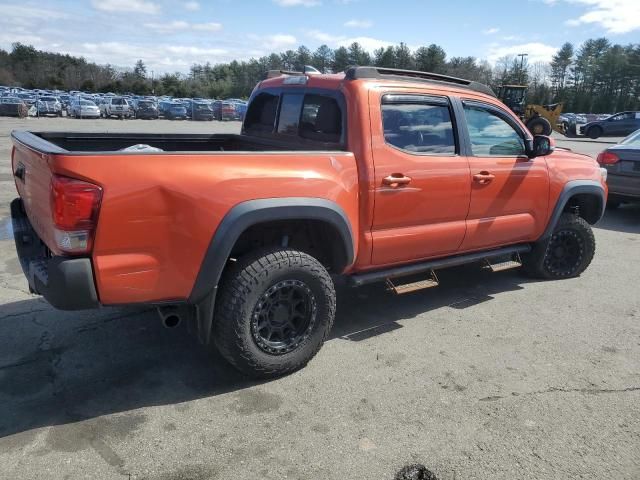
371, 175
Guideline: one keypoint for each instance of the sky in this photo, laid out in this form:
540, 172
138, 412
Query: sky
171, 35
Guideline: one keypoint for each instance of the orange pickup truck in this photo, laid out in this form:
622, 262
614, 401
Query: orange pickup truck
371, 175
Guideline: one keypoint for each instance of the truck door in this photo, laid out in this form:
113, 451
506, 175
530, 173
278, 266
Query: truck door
509, 191
422, 183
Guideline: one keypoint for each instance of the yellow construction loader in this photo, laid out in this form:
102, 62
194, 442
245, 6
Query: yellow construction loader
539, 119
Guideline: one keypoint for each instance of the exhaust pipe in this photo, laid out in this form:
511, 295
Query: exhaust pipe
170, 316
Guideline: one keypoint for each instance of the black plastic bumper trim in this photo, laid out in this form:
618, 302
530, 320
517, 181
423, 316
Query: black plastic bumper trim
66, 283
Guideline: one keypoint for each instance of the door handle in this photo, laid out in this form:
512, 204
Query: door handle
483, 177
395, 180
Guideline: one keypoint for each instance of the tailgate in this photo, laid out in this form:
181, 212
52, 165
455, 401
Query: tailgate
33, 181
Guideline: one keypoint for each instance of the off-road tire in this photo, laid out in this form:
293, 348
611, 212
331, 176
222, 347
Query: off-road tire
539, 262
242, 287
594, 132
540, 124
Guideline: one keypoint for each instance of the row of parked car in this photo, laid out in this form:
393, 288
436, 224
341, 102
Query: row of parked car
600, 125
21, 102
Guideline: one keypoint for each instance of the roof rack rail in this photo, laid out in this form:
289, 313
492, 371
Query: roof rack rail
356, 73
280, 73
308, 70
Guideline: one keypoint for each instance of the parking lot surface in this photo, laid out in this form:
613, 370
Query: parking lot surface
488, 376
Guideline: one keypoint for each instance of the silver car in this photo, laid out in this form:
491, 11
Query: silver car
116, 107
84, 109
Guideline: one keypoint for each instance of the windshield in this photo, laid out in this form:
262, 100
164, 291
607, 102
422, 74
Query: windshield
48, 99
87, 103
633, 139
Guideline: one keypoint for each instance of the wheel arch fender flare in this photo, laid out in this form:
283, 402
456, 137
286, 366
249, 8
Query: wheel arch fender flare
572, 188
253, 212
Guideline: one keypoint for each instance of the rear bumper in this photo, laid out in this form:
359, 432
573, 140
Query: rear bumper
624, 185
66, 283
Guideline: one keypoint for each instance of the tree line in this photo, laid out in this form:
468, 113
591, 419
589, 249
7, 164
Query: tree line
597, 77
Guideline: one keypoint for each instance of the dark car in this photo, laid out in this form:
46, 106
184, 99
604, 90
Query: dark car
13, 107
224, 110
175, 111
147, 109
65, 99
622, 162
241, 109
200, 110
619, 124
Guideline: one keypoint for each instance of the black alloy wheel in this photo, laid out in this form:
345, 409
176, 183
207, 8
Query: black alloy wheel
283, 317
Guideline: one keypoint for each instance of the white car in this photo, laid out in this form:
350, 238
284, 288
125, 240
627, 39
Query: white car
116, 107
84, 109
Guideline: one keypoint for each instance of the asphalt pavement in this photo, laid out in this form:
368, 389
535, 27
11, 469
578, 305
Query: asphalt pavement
488, 376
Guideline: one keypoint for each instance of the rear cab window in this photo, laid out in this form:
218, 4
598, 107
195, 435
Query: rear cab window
298, 116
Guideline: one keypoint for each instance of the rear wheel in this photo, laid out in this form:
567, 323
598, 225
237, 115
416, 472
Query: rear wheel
594, 132
276, 308
539, 126
566, 254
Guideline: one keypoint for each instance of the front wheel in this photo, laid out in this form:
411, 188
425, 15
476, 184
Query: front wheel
594, 132
275, 310
566, 254
539, 126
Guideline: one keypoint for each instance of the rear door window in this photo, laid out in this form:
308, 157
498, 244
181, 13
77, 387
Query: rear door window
418, 124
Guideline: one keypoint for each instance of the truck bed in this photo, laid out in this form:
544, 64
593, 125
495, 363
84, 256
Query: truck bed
159, 210
76, 142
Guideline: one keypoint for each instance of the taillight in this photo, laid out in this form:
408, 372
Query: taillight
607, 158
74, 206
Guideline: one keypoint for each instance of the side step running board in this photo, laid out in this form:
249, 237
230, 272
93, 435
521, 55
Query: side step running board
504, 263
400, 288
416, 268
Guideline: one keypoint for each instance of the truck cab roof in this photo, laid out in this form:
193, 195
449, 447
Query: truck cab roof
388, 76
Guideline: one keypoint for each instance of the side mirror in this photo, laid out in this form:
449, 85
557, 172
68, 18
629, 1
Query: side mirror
540, 146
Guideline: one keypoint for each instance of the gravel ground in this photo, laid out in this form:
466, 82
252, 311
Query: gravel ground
489, 376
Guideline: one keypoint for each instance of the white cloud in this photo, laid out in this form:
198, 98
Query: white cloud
324, 37
537, 52
616, 16
179, 26
275, 42
359, 24
168, 27
20, 12
297, 3
139, 6
192, 6
207, 27
26, 39
368, 43
162, 58
491, 31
